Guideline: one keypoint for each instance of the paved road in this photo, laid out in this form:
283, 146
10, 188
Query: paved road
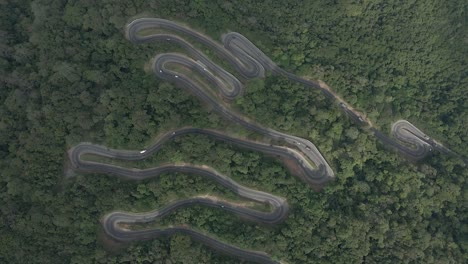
412, 142
249, 62
247, 59
112, 222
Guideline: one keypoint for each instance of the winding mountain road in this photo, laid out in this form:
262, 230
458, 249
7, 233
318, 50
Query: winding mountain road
113, 221
412, 142
250, 62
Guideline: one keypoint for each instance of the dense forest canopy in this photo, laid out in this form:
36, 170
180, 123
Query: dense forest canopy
68, 75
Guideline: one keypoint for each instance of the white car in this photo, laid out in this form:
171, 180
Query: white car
143, 151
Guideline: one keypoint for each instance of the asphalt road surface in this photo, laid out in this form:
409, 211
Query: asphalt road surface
250, 62
412, 142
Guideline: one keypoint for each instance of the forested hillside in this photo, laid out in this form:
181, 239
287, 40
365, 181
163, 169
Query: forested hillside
68, 75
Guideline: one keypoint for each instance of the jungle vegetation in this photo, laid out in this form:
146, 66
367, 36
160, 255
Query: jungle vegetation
67, 74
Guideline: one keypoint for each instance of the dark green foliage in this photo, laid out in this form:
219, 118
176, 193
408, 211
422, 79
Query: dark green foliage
67, 74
